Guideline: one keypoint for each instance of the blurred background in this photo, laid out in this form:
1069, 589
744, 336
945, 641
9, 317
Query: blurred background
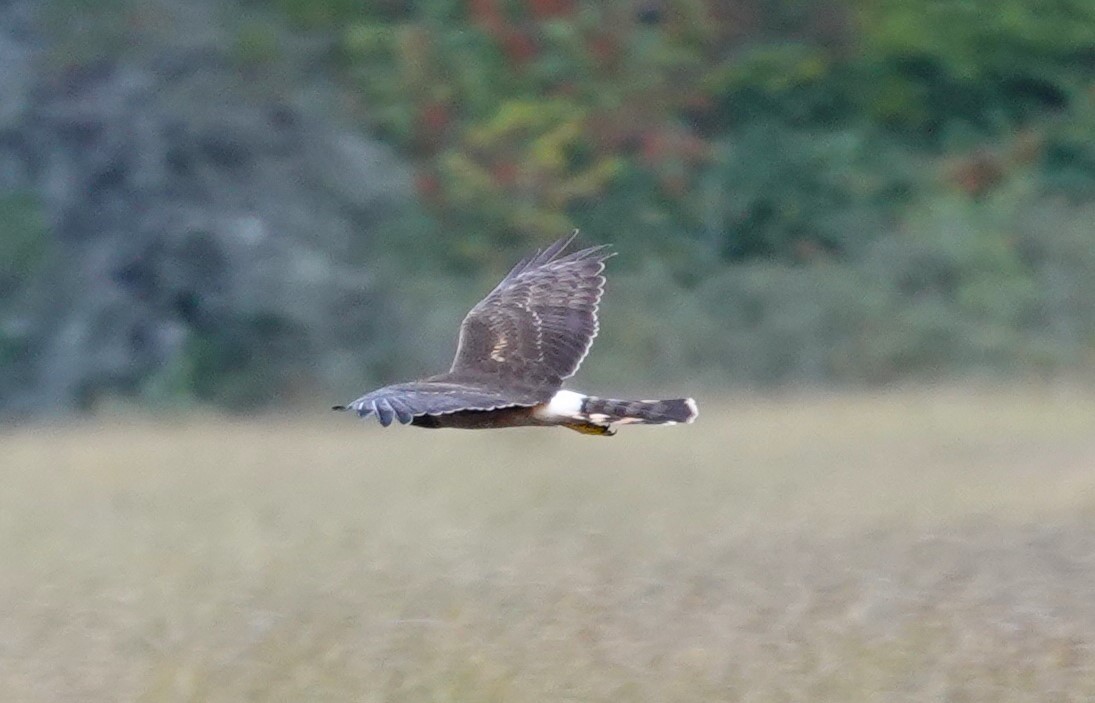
860, 232
261, 202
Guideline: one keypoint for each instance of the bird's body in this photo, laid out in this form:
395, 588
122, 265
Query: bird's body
516, 347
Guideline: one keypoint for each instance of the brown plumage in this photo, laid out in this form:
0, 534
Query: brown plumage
516, 347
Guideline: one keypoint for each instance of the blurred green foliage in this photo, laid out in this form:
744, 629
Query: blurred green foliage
802, 190
980, 61
999, 287
256, 42
244, 362
762, 128
835, 189
24, 240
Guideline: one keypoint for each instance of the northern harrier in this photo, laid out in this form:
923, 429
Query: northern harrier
516, 347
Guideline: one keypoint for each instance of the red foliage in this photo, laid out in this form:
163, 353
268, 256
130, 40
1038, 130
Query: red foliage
434, 117
654, 146
486, 14
428, 186
547, 9
674, 184
505, 173
605, 49
519, 46
977, 173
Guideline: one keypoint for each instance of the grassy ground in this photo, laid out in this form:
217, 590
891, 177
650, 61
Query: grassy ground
902, 546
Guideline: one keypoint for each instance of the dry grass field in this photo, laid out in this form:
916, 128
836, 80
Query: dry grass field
923, 545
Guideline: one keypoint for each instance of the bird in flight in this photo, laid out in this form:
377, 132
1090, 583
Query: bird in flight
516, 348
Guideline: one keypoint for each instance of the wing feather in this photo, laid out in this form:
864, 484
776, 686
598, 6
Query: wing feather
540, 320
405, 401
384, 411
402, 412
516, 346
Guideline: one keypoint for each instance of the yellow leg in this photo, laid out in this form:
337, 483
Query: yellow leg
590, 428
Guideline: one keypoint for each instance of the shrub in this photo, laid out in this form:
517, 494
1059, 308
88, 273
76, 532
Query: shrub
986, 63
794, 194
24, 240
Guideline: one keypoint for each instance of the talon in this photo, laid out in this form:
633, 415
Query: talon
590, 428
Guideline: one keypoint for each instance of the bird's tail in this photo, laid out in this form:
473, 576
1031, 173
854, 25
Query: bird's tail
604, 411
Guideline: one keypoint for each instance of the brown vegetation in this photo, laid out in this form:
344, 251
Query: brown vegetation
899, 546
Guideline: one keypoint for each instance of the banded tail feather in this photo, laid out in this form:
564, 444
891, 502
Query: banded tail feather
646, 412
591, 415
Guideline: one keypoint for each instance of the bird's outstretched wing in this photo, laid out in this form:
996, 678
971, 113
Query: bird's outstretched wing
540, 321
405, 401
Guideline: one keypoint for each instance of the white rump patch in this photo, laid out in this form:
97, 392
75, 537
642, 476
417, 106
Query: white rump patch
566, 404
692, 406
